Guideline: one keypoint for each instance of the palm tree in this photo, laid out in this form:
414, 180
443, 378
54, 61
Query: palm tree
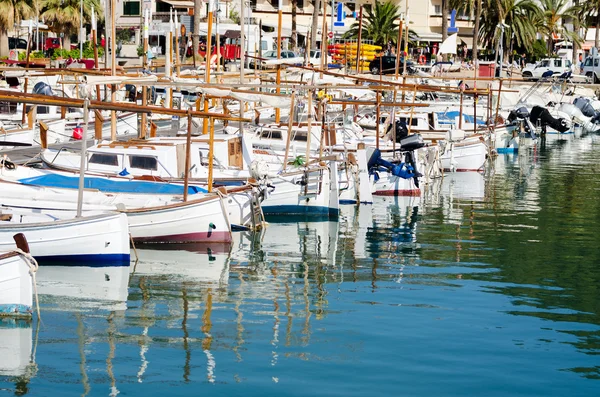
63, 16
294, 38
315, 24
522, 19
473, 9
379, 24
11, 14
553, 13
198, 6
445, 23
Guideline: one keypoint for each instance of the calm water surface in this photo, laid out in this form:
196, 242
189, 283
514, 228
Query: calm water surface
487, 285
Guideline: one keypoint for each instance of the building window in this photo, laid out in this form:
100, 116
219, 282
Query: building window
163, 7
437, 9
300, 4
131, 8
253, 4
275, 4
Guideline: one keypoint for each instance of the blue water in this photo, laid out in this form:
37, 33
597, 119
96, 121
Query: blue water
487, 285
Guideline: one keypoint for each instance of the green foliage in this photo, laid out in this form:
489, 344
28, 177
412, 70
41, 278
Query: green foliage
299, 161
234, 16
539, 50
37, 55
140, 51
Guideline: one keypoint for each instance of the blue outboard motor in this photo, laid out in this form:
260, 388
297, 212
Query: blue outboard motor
585, 105
404, 170
42, 88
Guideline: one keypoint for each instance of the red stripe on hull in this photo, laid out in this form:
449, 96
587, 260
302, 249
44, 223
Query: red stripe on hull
204, 237
403, 192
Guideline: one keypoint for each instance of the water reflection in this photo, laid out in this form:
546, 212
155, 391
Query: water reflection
486, 274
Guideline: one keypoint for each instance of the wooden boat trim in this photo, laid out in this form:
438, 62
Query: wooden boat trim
171, 206
6, 255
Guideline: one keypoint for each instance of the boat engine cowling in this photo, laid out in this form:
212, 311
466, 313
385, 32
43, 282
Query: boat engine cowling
42, 88
578, 116
587, 108
401, 130
541, 116
520, 113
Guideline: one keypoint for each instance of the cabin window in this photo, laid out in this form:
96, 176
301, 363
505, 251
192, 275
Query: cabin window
143, 162
596, 60
104, 159
300, 136
269, 134
264, 45
558, 63
588, 62
414, 122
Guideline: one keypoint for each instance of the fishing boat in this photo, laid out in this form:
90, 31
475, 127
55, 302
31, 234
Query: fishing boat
16, 290
65, 239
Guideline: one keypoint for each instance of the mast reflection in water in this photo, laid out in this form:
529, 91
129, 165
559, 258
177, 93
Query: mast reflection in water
487, 284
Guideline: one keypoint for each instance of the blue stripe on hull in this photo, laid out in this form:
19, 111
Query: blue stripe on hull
107, 260
507, 150
348, 202
300, 210
15, 309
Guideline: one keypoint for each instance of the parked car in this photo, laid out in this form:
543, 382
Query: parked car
387, 64
558, 66
315, 58
15, 42
591, 69
269, 58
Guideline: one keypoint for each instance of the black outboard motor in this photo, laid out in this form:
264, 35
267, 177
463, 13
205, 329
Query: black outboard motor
541, 116
518, 114
401, 130
585, 105
521, 116
42, 88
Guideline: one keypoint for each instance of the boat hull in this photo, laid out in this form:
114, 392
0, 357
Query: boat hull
15, 285
100, 240
199, 221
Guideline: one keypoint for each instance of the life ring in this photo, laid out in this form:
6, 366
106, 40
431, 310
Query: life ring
422, 59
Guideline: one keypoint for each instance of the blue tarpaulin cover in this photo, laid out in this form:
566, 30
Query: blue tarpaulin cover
452, 115
108, 185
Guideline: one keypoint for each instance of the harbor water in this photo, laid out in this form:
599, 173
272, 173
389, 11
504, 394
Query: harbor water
488, 284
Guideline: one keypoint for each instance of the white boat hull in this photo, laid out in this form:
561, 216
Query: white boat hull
91, 240
15, 285
202, 220
464, 156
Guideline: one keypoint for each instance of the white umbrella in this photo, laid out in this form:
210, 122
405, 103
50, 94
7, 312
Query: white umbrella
449, 45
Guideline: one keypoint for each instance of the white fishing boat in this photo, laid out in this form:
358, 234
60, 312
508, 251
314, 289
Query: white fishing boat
94, 239
16, 289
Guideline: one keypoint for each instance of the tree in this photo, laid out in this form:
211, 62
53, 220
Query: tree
63, 16
379, 24
294, 38
11, 14
196, 35
553, 12
473, 9
445, 23
315, 25
521, 18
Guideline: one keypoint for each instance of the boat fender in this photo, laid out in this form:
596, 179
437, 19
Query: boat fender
77, 132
